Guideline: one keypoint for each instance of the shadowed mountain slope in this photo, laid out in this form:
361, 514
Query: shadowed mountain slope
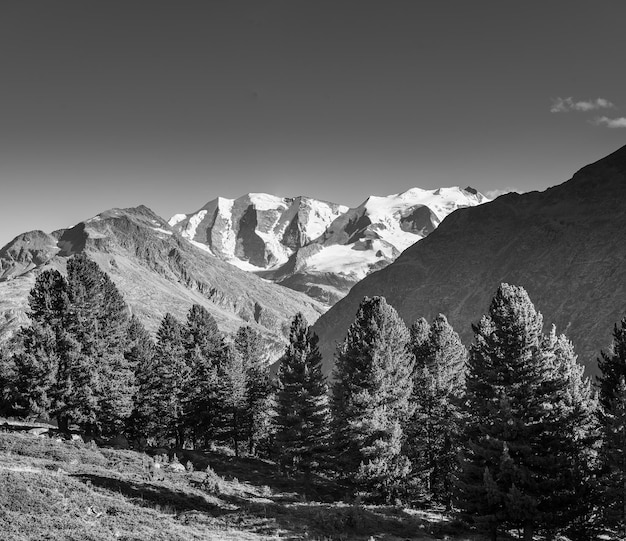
566, 246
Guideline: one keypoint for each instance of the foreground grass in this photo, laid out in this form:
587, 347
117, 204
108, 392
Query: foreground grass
57, 490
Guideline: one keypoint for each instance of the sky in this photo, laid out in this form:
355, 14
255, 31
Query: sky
171, 104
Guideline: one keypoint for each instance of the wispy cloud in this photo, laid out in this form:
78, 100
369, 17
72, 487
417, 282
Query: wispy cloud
492, 194
619, 122
565, 105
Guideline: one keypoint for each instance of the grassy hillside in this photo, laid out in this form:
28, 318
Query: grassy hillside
57, 490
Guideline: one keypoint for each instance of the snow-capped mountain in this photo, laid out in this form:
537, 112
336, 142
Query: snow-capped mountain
315, 246
257, 231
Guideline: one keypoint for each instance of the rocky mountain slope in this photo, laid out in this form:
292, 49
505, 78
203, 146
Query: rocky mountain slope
314, 246
157, 271
565, 245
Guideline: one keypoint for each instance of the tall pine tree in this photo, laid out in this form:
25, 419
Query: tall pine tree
72, 366
139, 354
205, 353
302, 409
250, 346
612, 383
525, 420
98, 321
232, 398
612, 365
371, 400
165, 390
439, 382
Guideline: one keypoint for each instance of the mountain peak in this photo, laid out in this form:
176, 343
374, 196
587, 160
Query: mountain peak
316, 246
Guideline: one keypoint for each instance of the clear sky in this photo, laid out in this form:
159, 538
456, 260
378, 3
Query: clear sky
170, 104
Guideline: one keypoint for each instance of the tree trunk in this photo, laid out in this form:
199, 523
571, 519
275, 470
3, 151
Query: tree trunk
235, 434
64, 424
494, 533
529, 531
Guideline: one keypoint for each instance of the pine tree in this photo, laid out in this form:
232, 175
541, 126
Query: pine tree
72, 363
439, 382
572, 432
613, 479
37, 362
140, 351
371, 399
612, 383
302, 409
36, 368
166, 387
205, 352
526, 420
231, 398
8, 349
612, 365
98, 321
48, 300
250, 346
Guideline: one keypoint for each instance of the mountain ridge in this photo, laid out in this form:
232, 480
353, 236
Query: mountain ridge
315, 246
565, 245
156, 270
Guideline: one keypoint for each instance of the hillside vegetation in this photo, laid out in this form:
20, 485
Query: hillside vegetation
66, 490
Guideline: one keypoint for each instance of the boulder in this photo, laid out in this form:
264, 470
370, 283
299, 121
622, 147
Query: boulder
38, 431
175, 467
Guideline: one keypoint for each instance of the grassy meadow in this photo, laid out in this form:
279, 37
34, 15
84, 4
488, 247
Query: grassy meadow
71, 490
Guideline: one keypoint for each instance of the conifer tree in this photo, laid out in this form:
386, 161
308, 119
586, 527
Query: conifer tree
571, 430
36, 368
231, 398
140, 351
302, 408
166, 387
612, 365
439, 381
98, 321
205, 352
249, 344
8, 374
72, 365
612, 383
525, 420
371, 399
613, 479
37, 362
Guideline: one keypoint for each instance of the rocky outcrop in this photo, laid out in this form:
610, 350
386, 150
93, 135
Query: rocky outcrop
565, 245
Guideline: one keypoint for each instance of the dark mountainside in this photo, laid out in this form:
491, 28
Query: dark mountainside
566, 246
156, 270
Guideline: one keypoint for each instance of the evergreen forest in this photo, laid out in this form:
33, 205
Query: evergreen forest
506, 433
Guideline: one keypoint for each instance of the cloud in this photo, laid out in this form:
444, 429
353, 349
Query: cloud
565, 105
497, 192
610, 122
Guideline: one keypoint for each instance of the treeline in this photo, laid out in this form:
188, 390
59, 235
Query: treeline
509, 434
85, 361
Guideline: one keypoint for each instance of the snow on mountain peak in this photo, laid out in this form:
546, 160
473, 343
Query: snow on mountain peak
284, 237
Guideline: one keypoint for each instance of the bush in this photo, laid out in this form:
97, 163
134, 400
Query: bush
212, 482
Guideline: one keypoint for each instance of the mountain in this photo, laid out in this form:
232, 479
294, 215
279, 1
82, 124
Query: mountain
156, 270
565, 245
317, 247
